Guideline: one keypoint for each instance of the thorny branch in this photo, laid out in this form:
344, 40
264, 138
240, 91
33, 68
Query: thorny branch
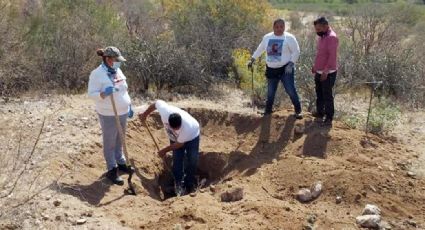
27, 161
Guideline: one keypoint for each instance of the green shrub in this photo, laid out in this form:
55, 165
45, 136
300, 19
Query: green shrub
384, 116
243, 76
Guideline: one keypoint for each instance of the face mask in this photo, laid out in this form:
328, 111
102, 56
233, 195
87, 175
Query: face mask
116, 65
321, 34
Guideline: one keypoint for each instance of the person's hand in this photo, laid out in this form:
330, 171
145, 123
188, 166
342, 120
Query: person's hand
289, 68
130, 112
250, 63
108, 91
161, 153
142, 117
324, 76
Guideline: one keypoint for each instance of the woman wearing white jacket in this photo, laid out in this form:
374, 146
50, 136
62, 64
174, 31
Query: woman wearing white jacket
105, 80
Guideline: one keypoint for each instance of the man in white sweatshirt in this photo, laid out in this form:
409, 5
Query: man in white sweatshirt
282, 52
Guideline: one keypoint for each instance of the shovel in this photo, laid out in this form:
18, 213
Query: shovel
130, 189
156, 144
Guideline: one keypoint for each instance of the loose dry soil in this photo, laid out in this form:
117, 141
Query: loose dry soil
271, 158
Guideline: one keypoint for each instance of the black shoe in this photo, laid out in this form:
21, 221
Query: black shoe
298, 116
125, 168
327, 122
113, 176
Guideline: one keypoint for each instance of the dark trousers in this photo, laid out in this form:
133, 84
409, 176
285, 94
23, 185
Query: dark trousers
188, 166
274, 76
324, 94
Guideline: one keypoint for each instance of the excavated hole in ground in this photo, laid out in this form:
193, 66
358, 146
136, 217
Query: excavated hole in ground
232, 145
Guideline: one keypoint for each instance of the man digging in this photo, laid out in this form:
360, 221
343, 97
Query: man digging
183, 131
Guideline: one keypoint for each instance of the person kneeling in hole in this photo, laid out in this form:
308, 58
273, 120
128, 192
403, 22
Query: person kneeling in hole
183, 131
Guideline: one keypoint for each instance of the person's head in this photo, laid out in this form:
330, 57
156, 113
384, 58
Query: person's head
279, 26
175, 121
111, 56
321, 25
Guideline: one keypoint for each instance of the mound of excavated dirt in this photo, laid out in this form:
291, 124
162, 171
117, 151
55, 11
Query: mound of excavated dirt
271, 158
264, 160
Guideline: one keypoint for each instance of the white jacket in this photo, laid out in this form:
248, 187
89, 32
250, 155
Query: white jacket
279, 49
98, 82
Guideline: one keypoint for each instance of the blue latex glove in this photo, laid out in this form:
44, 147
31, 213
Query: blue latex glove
130, 112
108, 91
289, 68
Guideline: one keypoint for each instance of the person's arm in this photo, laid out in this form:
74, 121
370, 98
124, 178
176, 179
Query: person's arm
260, 49
169, 148
332, 50
94, 88
295, 49
148, 111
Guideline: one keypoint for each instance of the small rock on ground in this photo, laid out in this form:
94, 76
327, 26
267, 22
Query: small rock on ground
411, 223
369, 221
304, 195
81, 221
177, 227
338, 199
316, 189
384, 226
371, 209
56, 203
232, 195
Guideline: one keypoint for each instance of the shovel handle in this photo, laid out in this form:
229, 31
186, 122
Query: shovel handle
150, 134
121, 134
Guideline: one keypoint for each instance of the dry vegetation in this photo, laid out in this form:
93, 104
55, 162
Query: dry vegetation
51, 163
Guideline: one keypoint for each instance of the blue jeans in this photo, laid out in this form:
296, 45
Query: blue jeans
188, 167
288, 81
112, 146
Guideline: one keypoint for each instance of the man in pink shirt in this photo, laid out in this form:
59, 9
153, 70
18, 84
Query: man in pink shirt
325, 70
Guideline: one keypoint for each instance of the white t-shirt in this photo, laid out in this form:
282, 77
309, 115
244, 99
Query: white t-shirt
279, 49
99, 81
189, 129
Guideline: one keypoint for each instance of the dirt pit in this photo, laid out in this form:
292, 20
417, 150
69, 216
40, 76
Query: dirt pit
229, 148
270, 158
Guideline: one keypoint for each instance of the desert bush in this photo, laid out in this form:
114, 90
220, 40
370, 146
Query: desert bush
384, 116
213, 29
65, 35
379, 51
243, 76
52, 43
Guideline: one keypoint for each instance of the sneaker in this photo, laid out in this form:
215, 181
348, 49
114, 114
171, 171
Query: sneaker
179, 190
298, 116
113, 176
125, 168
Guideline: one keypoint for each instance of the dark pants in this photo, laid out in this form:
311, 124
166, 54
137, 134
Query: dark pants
324, 94
188, 167
288, 81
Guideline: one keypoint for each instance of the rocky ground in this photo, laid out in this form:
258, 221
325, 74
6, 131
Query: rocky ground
259, 163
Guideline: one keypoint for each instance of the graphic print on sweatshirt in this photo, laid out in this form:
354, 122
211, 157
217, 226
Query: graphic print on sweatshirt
274, 50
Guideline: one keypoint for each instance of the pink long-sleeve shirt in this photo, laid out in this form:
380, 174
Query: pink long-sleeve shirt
326, 54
